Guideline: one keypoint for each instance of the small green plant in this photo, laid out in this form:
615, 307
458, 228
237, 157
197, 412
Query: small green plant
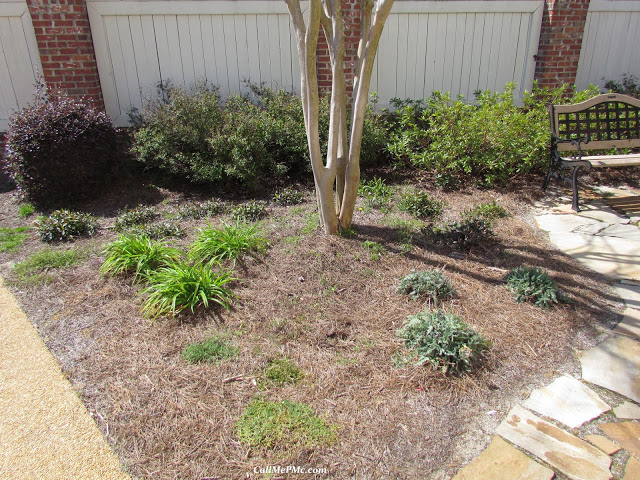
376, 193
230, 242
532, 284
348, 232
213, 350
168, 228
12, 238
375, 249
64, 225
429, 284
33, 270
288, 196
137, 254
447, 181
283, 426
421, 204
280, 372
311, 223
249, 212
210, 208
180, 286
140, 215
444, 340
465, 234
485, 211
26, 210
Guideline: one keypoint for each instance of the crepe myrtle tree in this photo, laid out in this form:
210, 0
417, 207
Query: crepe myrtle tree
342, 165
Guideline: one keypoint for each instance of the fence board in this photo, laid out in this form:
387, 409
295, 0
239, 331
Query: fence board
609, 47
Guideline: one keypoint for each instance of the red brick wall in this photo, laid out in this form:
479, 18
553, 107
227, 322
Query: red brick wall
66, 49
351, 16
560, 41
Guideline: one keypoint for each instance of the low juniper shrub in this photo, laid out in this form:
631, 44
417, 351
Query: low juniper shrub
64, 225
59, 149
444, 340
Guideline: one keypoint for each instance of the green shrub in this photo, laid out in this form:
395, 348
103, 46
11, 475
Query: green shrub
376, 193
421, 204
179, 286
430, 284
34, 269
139, 215
280, 372
444, 340
468, 233
229, 242
214, 350
288, 196
59, 149
489, 141
485, 211
532, 284
64, 225
249, 212
282, 426
12, 238
210, 208
138, 255
628, 85
26, 210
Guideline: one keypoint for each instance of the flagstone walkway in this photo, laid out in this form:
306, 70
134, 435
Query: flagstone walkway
606, 240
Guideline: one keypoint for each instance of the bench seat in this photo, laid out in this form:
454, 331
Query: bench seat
614, 160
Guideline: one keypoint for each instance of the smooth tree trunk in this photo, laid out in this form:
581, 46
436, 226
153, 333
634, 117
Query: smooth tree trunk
337, 177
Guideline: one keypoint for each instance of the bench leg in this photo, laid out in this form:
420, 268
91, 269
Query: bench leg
574, 185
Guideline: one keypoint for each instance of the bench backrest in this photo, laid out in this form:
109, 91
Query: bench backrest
611, 121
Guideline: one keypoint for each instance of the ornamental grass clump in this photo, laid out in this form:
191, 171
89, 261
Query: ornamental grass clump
444, 340
180, 286
532, 284
137, 255
65, 225
429, 284
230, 242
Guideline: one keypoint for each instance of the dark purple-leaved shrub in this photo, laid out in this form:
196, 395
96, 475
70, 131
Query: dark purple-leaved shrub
59, 149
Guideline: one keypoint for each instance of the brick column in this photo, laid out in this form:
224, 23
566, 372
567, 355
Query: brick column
561, 36
66, 48
351, 17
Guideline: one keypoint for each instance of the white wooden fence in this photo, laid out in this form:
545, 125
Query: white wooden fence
457, 47
610, 42
19, 59
140, 43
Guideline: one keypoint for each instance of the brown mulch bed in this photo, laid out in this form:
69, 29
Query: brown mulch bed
325, 304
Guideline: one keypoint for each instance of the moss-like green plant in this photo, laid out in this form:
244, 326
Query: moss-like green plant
429, 284
532, 284
444, 340
213, 350
375, 249
137, 254
12, 238
179, 286
281, 371
33, 270
282, 426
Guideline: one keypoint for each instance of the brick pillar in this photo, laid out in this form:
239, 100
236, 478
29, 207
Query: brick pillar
351, 17
66, 49
561, 36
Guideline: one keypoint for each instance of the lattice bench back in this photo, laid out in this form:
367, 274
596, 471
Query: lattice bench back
609, 121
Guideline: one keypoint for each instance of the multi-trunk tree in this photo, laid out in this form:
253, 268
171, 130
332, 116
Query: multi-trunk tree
337, 177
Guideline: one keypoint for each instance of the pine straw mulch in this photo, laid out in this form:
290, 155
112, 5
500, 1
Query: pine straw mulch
326, 305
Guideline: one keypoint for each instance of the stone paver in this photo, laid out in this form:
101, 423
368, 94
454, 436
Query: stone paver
45, 430
630, 232
568, 401
632, 470
603, 443
614, 364
625, 434
630, 294
630, 324
627, 411
567, 223
603, 213
572, 456
501, 461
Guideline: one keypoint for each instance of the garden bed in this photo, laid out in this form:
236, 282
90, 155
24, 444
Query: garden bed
328, 304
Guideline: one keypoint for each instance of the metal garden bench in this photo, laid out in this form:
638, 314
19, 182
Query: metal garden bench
604, 122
